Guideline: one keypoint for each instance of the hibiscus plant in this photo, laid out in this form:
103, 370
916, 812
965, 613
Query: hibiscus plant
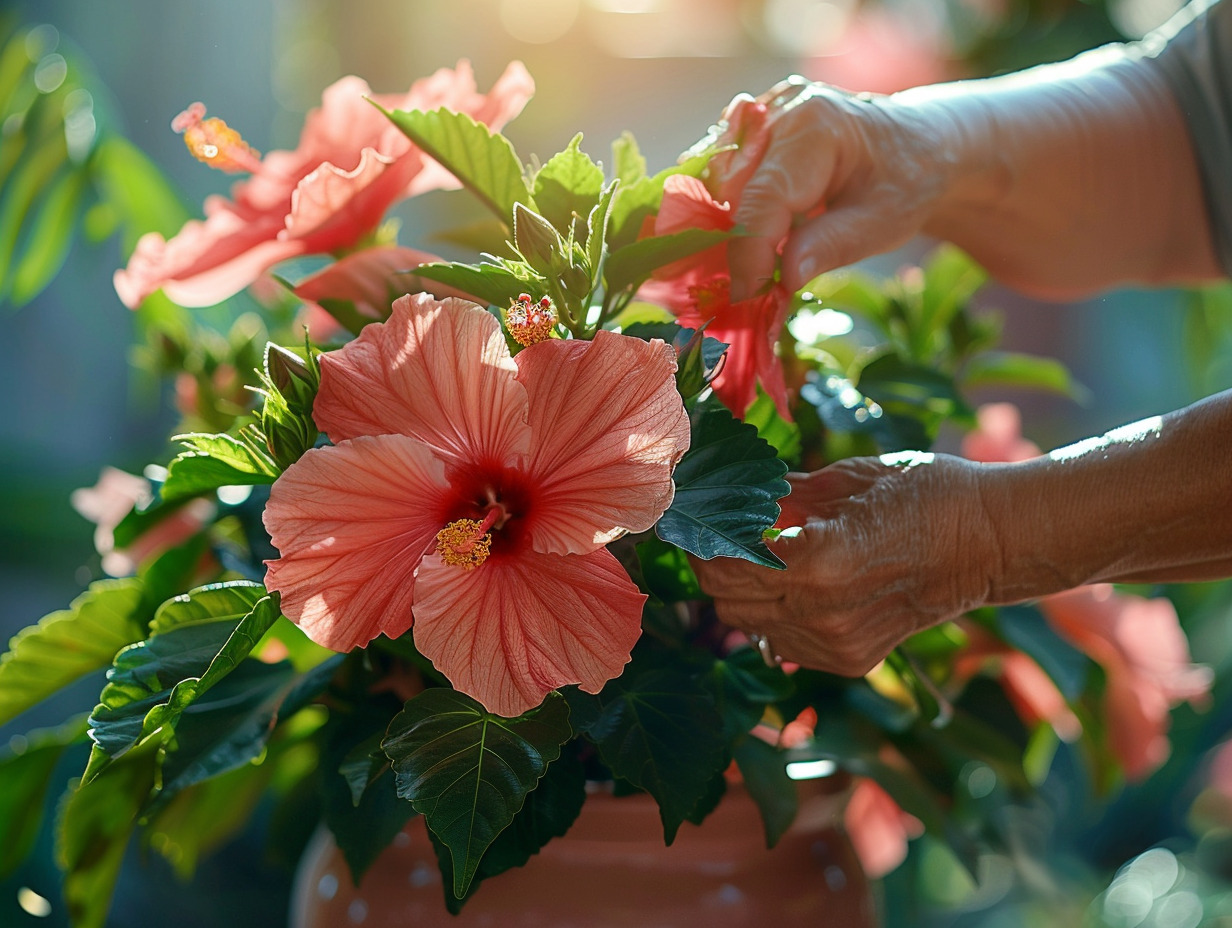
436, 560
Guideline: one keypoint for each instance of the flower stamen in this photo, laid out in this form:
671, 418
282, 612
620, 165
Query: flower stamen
213, 142
530, 322
466, 543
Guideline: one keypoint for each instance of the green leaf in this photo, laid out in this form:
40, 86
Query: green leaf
468, 771
485, 163
596, 232
197, 640
951, 279
567, 188
1012, 369
780, 434
21, 193
25, 774
764, 770
743, 686
666, 572
134, 186
843, 408
362, 809
899, 384
49, 237
627, 159
68, 644
727, 491
231, 725
629, 267
215, 461
637, 199
662, 733
1026, 629
95, 826
549, 811
490, 283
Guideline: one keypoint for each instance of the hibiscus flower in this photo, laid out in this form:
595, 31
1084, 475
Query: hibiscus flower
472, 494
326, 196
698, 291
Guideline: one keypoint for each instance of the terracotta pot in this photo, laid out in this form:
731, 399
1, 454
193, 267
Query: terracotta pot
611, 870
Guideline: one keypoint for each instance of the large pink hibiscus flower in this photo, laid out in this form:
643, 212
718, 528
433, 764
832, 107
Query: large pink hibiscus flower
350, 166
698, 290
473, 493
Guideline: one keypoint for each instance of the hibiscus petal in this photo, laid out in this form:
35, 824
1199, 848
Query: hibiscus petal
439, 371
352, 523
521, 625
370, 277
608, 428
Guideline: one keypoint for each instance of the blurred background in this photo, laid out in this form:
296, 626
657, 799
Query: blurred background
662, 69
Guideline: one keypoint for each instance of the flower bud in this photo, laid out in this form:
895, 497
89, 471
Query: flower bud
536, 240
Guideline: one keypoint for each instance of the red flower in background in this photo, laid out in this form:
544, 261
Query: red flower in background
326, 196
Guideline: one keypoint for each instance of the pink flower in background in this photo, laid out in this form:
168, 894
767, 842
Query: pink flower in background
878, 828
697, 291
326, 196
472, 494
882, 51
1138, 642
112, 498
1145, 656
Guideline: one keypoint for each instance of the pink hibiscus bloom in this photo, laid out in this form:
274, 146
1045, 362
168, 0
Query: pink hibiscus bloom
1138, 642
473, 494
698, 290
878, 828
326, 196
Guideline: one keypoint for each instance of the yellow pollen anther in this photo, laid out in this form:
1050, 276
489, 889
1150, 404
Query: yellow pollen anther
530, 322
464, 543
215, 143
707, 295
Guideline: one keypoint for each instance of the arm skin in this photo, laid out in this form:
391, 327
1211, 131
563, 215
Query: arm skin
1061, 180
890, 547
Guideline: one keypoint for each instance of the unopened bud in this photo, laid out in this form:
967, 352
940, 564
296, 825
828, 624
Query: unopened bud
536, 239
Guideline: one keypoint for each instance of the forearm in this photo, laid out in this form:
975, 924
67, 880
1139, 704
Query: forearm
1070, 178
1147, 503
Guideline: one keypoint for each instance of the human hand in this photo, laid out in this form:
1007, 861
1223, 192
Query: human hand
888, 546
830, 176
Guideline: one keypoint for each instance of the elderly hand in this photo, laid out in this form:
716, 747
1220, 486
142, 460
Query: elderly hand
887, 547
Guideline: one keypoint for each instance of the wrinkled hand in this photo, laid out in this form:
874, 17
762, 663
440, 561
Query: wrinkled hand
838, 176
886, 549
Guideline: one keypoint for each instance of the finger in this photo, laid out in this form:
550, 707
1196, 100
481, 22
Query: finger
732, 578
837, 238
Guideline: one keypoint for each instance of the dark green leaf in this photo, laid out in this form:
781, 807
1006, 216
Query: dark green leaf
68, 644
197, 639
25, 774
216, 461
661, 732
231, 725
843, 408
549, 811
95, 826
363, 819
1026, 629
484, 162
727, 491
764, 769
567, 188
892, 381
468, 771
743, 686
632, 265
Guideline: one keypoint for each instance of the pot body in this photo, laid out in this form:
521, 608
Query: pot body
612, 871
